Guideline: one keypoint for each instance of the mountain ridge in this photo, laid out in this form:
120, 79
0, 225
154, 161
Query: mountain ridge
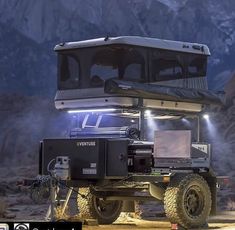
39, 25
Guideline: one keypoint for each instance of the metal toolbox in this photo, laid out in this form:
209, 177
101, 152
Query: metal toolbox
89, 158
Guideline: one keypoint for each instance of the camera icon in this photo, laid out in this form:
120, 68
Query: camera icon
21, 226
4, 227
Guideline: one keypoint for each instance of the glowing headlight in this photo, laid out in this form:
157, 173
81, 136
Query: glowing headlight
147, 112
206, 116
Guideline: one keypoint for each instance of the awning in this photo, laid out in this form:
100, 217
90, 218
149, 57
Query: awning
150, 91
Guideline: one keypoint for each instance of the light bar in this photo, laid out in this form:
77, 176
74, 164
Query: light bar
166, 117
91, 110
148, 114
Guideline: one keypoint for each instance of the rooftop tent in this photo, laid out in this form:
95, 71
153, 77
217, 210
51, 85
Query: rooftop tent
85, 66
91, 67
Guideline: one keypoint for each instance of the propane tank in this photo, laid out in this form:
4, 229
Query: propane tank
62, 169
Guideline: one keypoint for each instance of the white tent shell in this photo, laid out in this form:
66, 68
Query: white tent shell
155, 43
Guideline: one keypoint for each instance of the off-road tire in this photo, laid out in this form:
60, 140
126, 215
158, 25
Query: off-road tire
89, 207
187, 201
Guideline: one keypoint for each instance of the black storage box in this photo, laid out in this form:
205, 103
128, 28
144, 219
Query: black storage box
140, 158
89, 158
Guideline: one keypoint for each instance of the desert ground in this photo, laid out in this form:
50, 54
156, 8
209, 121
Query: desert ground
16, 204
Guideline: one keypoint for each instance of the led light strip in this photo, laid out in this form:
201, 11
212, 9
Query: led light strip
91, 110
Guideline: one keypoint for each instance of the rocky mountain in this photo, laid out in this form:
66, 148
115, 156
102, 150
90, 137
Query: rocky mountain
24, 122
30, 29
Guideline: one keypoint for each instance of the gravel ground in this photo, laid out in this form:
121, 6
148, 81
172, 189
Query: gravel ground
18, 206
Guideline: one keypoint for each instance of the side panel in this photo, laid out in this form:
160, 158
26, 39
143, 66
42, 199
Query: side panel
93, 158
172, 148
87, 156
116, 158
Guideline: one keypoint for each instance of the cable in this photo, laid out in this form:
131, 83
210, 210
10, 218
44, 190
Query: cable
59, 182
48, 166
65, 185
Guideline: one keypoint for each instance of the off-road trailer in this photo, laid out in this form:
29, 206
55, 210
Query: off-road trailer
110, 169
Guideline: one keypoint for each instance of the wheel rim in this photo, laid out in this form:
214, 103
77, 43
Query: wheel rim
105, 208
194, 201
